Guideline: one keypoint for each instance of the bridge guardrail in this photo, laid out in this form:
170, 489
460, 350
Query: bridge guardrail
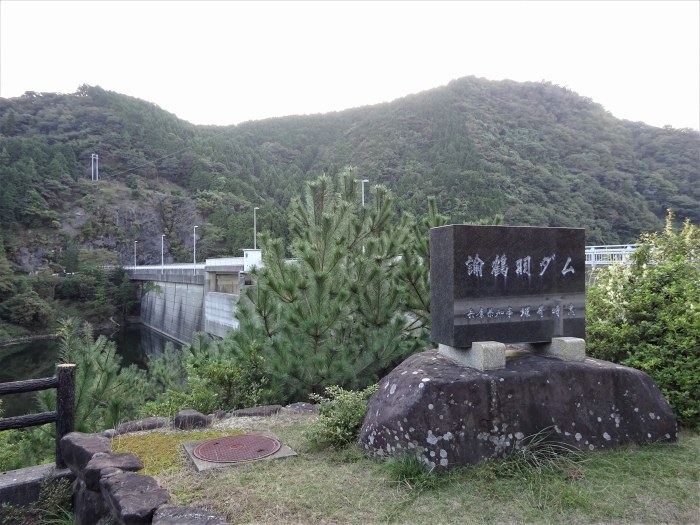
609, 254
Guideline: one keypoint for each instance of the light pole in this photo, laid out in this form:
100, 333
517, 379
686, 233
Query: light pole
363, 205
95, 166
162, 253
135, 254
194, 250
255, 228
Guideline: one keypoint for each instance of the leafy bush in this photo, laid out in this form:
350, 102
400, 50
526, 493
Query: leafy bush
647, 316
210, 375
27, 309
10, 448
341, 413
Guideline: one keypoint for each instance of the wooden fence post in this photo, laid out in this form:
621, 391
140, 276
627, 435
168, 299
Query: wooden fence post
65, 406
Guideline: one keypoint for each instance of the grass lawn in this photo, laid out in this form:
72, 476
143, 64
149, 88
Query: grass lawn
652, 484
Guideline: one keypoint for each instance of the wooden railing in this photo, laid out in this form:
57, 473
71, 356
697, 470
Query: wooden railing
64, 415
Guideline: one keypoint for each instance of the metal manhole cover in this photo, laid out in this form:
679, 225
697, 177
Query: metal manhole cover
233, 449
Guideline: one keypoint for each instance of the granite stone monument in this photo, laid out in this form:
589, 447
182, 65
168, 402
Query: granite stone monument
506, 284
482, 392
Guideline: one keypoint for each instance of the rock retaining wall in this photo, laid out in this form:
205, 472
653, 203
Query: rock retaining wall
108, 488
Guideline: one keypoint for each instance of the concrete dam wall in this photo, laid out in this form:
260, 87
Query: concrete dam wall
181, 299
175, 309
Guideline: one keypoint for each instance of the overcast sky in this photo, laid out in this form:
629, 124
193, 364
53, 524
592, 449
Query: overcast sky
228, 62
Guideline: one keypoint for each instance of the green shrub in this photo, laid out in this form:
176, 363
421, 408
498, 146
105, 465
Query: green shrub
211, 375
341, 413
10, 448
335, 317
27, 309
647, 316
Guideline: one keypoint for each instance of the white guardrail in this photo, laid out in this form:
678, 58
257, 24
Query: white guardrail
610, 254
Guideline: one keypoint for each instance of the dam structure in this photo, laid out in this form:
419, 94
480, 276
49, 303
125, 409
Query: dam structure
188, 298
181, 299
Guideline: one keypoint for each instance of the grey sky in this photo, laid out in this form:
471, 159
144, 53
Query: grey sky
227, 62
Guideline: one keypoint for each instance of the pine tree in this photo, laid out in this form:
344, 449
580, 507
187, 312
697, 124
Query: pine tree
105, 393
333, 315
414, 270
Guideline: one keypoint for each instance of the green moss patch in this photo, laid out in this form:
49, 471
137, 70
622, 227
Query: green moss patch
161, 452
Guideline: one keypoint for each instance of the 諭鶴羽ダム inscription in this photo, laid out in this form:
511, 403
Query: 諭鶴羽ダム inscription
507, 284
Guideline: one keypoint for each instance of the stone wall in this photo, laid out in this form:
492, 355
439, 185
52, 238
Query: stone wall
108, 488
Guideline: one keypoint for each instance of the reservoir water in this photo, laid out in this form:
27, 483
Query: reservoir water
35, 359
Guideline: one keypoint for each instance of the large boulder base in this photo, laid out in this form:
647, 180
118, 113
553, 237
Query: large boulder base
450, 415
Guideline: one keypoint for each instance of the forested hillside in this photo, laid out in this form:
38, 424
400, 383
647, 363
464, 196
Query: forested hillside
536, 153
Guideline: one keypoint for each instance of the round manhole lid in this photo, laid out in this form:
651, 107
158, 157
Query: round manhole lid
233, 449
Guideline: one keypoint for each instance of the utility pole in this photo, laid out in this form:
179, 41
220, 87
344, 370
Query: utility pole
363, 211
135, 254
162, 254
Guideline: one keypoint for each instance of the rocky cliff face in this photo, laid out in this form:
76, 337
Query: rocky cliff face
106, 222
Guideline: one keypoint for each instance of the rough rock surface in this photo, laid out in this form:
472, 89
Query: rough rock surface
93, 470
303, 408
266, 410
88, 505
132, 498
148, 423
167, 515
187, 419
78, 448
449, 415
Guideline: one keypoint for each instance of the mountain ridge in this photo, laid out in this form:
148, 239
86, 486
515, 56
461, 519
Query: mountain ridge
535, 153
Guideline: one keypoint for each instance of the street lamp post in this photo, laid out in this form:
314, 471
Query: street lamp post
135, 254
162, 253
255, 228
95, 166
363, 205
194, 250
